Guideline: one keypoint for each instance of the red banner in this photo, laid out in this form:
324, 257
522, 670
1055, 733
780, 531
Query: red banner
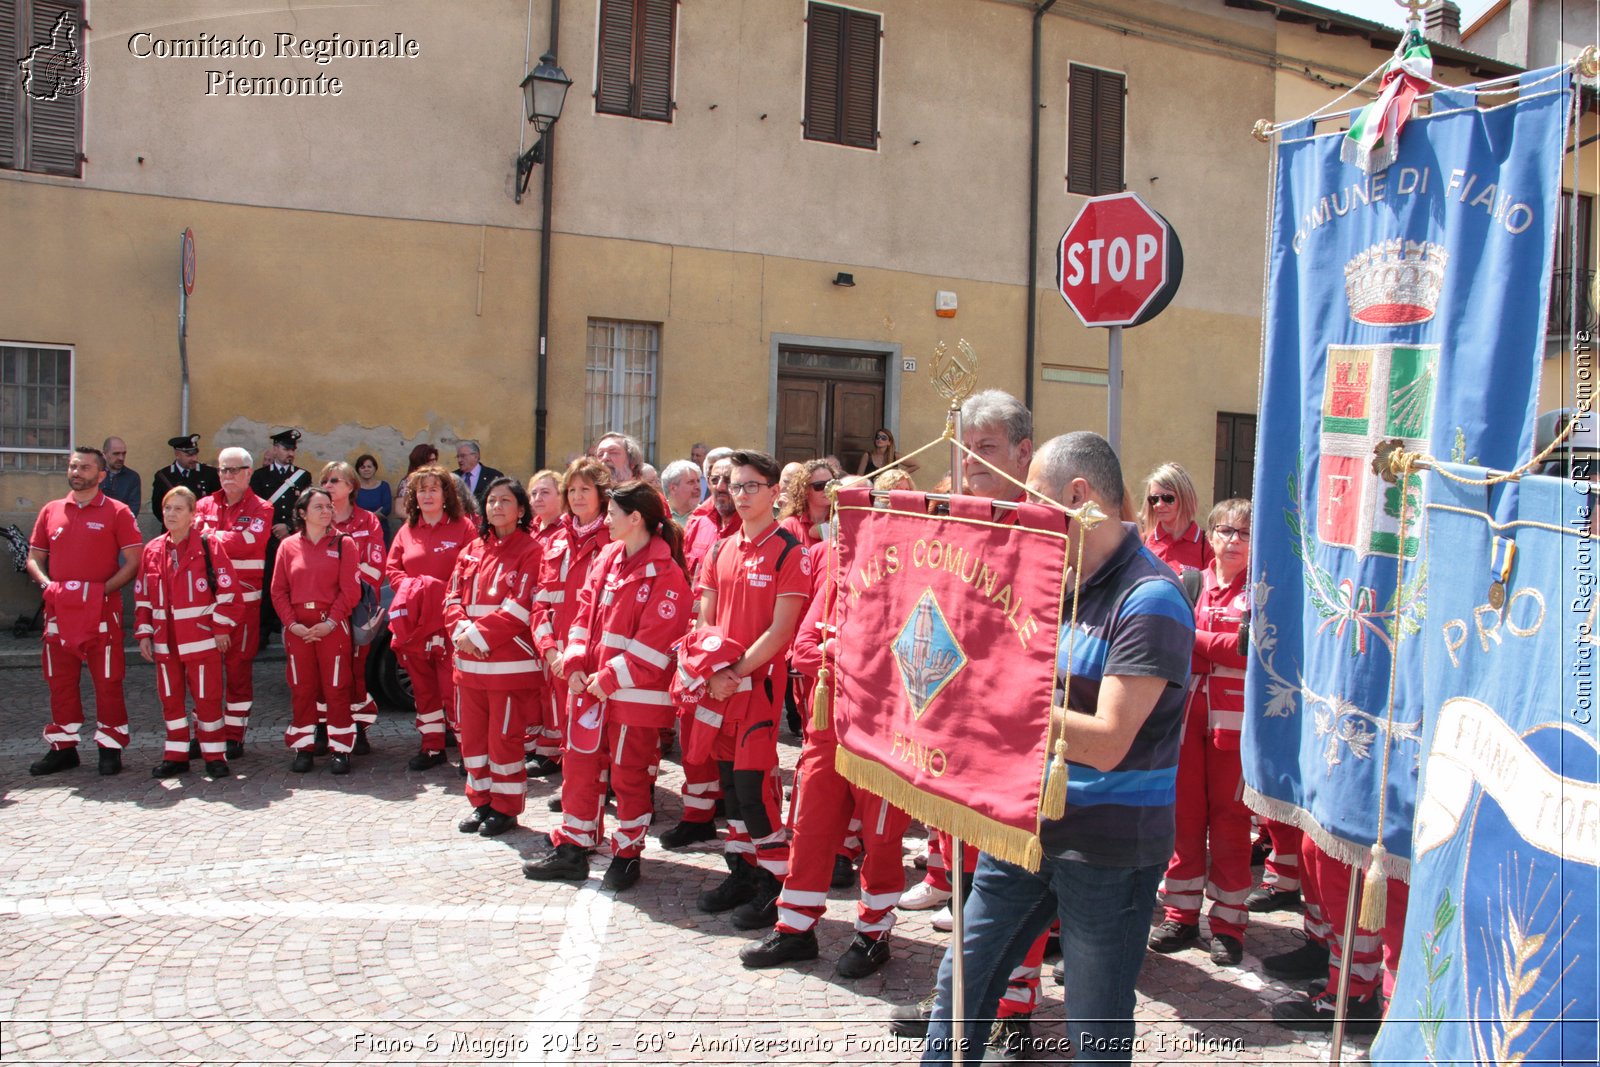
945, 663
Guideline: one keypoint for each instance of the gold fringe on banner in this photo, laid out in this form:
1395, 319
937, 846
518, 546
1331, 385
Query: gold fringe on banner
996, 838
820, 699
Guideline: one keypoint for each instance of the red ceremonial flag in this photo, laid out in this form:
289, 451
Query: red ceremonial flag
945, 661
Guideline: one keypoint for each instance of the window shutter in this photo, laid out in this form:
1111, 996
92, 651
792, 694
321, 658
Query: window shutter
53, 125
655, 60
860, 78
1080, 131
9, 87
1110, 107
614, 95
825, 28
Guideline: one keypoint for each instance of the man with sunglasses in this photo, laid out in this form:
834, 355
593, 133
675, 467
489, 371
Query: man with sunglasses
186, 470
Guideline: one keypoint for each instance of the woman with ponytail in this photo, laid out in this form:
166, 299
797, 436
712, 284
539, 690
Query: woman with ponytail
618, 665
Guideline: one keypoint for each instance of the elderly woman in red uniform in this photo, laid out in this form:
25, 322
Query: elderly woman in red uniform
569, 555
1167, 519
421, 559
185, 607
1209, 775
619, 665
487, 611
366, 540
315, 586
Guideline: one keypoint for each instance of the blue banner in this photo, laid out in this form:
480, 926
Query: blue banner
1407, 305
1501, 958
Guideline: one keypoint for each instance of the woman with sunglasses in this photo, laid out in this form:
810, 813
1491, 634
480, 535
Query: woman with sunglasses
882, 453
1167, 520
365, 538
805, 500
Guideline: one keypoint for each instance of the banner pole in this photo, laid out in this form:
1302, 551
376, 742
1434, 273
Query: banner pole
1342, 997
958, 940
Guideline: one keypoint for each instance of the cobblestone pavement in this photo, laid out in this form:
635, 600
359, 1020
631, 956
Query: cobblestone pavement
280, 918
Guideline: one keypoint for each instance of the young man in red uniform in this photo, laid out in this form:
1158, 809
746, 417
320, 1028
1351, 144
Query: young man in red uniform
754, 587
84, 548
241, 523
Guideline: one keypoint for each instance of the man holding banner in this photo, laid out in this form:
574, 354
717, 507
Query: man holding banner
1122, 719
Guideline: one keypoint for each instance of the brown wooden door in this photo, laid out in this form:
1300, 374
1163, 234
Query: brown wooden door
802, 418
817, 417
857, 411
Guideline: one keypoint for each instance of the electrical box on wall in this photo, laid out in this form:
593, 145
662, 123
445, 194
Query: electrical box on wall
944, 304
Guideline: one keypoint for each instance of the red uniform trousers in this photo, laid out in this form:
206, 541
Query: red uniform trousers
238, 668
628, 759
1210, 809
943, 845
702, 785
489, 729
1375, 955
545, 736
363, 709
1022, 988
202, 677
825, 803
1282, 870
319, 672
747, 764
434, 689
62, 670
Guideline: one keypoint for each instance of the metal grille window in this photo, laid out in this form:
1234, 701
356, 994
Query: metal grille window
842, 76
42, 79
621, 380
1096, 113
635, 64
35, 408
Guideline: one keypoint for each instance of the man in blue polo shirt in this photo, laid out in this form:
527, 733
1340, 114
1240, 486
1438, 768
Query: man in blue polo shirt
1123, 722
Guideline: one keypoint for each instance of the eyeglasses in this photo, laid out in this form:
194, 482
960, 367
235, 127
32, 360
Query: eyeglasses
748, 488
1228, 533
1161, 498
820, 486
720, 479
232, 470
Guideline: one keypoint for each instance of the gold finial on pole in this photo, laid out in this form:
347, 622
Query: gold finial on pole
1262, 130
1588, 62
1414, 9
955, 374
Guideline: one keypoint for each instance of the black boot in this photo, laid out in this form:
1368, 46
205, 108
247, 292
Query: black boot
110, 761
362, 747
761, 910
687, 833
169, 768
778, 947
732, 891
319, 742
622, 874
568, 863
57, 759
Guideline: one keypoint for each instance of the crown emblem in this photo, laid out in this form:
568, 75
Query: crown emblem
1395, 282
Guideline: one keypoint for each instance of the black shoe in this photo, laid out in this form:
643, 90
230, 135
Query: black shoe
1310, 960
319, 740
302, 762
474, 822
911, 1020
235, 749
732, 891
57, 759
194, 749
567, 863
844, 873
864, 956
1266, 898
669, 740
543, 767
1226, 950
761, 910
496, 823
110, 761
340, 764
1171, 935
1363, 1015
449, 738
687, 833
169, 768
796, 727
1059, 972
216, 768
1260, 849
424, 760
778, 947
622, 874
554, 803
362, 747
1012, 1037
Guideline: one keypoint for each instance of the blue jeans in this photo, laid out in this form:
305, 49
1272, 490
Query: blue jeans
1105, 921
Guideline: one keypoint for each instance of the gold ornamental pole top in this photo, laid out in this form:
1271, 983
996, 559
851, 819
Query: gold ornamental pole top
955, 376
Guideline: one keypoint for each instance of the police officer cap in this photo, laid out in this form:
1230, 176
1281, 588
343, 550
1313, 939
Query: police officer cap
184, 441
287, 438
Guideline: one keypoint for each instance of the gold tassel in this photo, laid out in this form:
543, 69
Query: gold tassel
819, 702
1053, 805
1375, 894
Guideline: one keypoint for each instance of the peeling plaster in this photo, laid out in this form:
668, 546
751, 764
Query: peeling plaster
346, 441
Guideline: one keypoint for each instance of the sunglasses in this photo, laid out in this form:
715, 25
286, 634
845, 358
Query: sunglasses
1161, 498
820, 486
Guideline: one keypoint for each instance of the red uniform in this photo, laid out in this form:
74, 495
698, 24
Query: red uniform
705, 527
569, 556
1190, 549
490, 602
547, 696
314, 582
419, 551
702, 787
749, 576
242, 530
84, 546
182, 601
1211, 816
366, 540
629, 614
1375, 955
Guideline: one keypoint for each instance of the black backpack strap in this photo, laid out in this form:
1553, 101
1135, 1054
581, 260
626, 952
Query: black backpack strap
205, 550
791, 542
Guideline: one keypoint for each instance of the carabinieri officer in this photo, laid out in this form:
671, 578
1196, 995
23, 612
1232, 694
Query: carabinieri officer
186, 470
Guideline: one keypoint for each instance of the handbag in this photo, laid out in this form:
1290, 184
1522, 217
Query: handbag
367, 618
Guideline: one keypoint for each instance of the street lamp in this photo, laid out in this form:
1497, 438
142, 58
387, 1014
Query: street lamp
544, 90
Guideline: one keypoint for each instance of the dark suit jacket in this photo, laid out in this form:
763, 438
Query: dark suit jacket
486, 477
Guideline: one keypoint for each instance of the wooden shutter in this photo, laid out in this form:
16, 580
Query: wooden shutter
824, 28
860, 80
53, 125
842, 76
10, 54
1080, 130
1096, 112
1109, 107
614, 95
636, 58
655, 59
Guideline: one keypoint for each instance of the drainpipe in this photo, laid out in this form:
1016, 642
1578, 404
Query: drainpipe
541, 413
1033, 207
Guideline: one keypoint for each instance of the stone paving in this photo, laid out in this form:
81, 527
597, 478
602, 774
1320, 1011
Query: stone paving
280, 918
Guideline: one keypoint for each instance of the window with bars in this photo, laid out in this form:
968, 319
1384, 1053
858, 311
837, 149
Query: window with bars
842, 75
634, 71
621, 375
1572, 282
1096, 116
35, 407
42, 77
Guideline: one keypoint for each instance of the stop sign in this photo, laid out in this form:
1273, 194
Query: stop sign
1119, 263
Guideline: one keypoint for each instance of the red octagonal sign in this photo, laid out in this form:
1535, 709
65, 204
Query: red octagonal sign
1119, 263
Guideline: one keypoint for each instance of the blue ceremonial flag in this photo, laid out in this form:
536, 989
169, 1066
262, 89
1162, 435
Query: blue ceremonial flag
1406, 305
1501, 957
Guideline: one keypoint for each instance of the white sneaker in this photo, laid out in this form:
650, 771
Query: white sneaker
922, 897
944, 921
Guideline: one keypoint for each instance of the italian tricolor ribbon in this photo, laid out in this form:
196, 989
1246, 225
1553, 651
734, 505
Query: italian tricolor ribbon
1373, 140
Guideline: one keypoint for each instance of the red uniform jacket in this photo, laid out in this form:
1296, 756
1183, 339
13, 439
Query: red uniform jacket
316, 576
704, 529
416, 614
1190, 549
703, 652
175, 603
490, 600
568, 558
366, 540
629, 615
243, 530
1217, 668
423, 551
